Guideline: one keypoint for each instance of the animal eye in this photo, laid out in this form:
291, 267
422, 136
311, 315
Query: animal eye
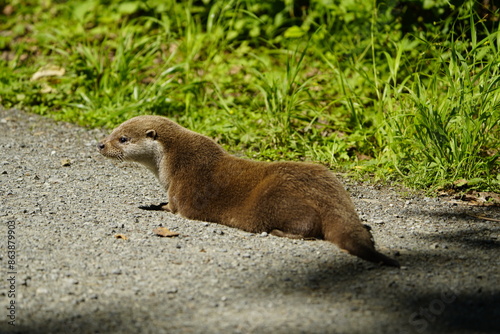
123, 139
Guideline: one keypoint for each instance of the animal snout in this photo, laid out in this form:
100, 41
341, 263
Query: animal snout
100, 146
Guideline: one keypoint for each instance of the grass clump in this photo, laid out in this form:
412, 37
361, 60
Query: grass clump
449, 133
361, 86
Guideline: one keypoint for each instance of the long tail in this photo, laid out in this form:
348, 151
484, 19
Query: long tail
357, 240
370, 254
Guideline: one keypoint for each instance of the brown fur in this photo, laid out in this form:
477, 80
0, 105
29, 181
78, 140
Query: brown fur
203, 182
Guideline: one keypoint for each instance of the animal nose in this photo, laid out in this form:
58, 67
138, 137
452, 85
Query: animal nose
100, 146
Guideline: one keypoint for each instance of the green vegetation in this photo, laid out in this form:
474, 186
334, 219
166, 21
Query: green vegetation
396, 90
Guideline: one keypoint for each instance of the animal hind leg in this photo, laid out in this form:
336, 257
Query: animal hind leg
301, 223
280, 233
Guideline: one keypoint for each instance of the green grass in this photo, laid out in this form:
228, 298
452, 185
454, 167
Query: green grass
354, 85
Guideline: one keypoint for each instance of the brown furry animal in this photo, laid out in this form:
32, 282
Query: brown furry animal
203, 182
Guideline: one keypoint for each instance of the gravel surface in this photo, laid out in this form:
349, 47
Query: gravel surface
87, 261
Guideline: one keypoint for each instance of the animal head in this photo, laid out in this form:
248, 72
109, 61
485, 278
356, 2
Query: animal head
135, 140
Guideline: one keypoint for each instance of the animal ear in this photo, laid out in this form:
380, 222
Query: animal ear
151, 134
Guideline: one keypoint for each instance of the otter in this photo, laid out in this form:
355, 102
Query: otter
204, 182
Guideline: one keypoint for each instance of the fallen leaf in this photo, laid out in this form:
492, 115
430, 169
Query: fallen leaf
46, 89
165, 232
121, 236
460, 183
65, 162
48, 71
362, 156
486, 218
478, 198
8, 10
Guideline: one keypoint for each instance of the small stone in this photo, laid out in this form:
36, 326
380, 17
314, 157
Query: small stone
264, 234
172, 290
70, 281
66, 299
93, 296
117, 272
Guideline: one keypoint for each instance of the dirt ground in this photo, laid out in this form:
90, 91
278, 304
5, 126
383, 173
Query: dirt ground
79, 255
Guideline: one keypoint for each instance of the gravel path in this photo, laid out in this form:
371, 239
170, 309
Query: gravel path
67, 207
